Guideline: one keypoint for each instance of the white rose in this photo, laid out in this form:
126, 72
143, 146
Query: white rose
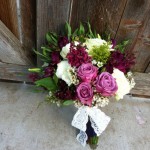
62, 72
122, 82
90, 43
65, 50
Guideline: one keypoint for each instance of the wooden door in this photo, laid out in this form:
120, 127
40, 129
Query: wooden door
24, 23
124, 19
17, 38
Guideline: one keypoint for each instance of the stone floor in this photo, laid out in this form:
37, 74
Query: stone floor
25, 126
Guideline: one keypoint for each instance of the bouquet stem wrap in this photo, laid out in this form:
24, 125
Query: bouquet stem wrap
98, 119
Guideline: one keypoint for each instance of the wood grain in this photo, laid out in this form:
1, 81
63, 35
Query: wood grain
11, 51
135, 27
148, 69
142, 87
8, 15
14, 72
51, 15
28, 25
103, 14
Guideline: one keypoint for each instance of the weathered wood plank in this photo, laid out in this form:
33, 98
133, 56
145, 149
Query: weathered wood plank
14, 72
11, 51
51, 15
27, 23
142, 87
142, 47
103, 14
148, 69
135, 27
8, 15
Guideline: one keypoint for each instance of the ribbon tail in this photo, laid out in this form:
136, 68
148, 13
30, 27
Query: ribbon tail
99, 121
82, 138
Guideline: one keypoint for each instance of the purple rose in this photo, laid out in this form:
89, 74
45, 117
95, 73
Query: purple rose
85, 93
63, 41
55, 57
87, 72
105, 84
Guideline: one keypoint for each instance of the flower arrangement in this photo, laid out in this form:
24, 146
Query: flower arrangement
83, 69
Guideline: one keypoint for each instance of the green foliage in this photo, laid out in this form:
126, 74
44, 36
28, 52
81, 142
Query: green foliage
52, 38
100, 53
68, 29
48, 83
68, 102
37, 70
121, 46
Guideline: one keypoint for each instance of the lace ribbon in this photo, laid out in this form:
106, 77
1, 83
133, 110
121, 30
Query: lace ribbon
99, 122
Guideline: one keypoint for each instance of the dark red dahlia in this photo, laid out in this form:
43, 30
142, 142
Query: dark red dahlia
55, 57
49, 71
65, 93
121, 61
34, 77
78, 55
63, 41
113, 42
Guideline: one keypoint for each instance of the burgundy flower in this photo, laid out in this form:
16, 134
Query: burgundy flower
64, 93
55, 57
105, 84
78, 56
121, 61
49, 71
34, 77
113, 42
63, 41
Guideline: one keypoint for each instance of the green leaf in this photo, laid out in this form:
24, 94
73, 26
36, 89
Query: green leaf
89, 30
68, 29
68, 102
55, 78
48, 38
38, 70
81, 30
38, 53
48, 83
75, 33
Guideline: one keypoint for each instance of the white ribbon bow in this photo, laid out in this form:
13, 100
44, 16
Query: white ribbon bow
99, 122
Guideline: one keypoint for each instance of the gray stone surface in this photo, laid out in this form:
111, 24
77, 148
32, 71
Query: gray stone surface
23, 126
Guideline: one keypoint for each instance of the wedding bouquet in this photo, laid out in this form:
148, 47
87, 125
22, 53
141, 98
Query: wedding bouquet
83, 69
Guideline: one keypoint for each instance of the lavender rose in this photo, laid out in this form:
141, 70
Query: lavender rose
85, 93
106, 84
87, 72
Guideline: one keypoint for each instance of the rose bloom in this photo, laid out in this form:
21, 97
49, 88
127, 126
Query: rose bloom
87, 72
85, 93
122, 82
105, 84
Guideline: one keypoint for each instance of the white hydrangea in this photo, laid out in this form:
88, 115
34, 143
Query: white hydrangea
67, 73
65, 50
90, 43
122, 82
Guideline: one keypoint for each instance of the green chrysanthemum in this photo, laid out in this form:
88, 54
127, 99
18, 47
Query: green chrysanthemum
101, 53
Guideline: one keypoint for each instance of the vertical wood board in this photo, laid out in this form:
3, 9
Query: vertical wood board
135, 27
102, 14
8, 15
51, 15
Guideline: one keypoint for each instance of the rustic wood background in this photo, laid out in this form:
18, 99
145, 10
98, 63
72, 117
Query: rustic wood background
29, 20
